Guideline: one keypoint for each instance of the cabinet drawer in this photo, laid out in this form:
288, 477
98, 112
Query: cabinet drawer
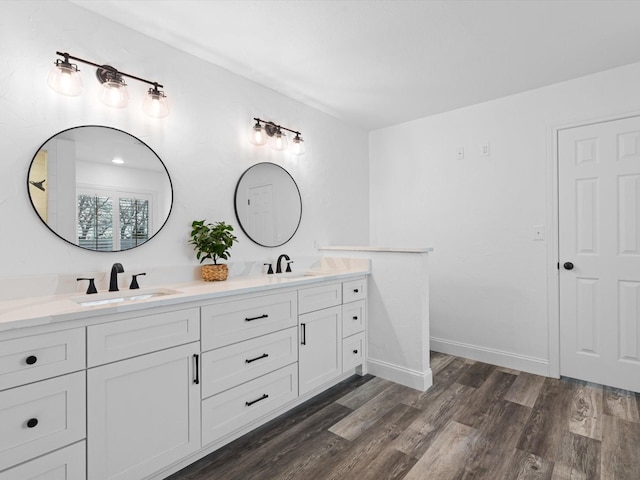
29, 359
352, 351
232, 322
41, 417
227, 367
353, 318
317, 298
65, 464
230, 410
113, 341
354, 290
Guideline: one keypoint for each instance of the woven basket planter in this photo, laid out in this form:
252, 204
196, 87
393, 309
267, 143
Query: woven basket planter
215, 273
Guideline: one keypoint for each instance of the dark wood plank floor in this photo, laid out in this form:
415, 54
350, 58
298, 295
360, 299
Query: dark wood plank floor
478, 421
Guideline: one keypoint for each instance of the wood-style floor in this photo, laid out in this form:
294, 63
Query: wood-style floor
478, 421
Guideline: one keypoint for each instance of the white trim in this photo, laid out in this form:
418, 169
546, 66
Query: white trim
539, 366
402, 375
553, 229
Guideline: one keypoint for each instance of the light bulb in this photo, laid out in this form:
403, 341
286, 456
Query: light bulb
65, 79
297, 145
114, 92
155, 104
258, 135
278, 141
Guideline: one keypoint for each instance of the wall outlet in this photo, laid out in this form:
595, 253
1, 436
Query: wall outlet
460, 153
485, 149
538, 233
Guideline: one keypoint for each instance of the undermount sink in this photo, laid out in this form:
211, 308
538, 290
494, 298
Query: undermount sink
121, 297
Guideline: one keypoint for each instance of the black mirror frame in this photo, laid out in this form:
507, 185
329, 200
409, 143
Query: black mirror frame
117, 130
235, 204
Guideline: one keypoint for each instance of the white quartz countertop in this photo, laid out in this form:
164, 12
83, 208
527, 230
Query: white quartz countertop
35, 311
365, 248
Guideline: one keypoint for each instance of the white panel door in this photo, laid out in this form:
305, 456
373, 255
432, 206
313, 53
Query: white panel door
143, 414
599, 252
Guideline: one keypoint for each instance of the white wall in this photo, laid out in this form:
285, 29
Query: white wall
203, 142
488, 277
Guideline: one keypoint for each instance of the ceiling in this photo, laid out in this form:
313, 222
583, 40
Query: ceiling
375, 63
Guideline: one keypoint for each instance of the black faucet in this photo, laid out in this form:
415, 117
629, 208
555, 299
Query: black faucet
115, 270
279, 264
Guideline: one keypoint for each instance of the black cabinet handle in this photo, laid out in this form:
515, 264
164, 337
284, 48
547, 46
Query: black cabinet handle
355, 317
568, 266
251, 319
32, 422
249, 360
355, 352
31, 359
355, 290
196, 375
248, 404
304, 334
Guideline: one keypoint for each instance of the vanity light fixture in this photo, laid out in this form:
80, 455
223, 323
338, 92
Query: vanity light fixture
272, 133
65, 79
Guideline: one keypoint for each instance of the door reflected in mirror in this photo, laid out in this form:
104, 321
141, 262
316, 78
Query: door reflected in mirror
268, 204
100, 188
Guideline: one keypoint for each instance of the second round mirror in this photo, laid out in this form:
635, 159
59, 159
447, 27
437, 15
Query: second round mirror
268, 204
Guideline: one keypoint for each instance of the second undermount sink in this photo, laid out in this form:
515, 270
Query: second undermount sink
121, 297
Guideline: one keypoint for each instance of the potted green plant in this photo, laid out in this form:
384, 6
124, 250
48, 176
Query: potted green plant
212, 241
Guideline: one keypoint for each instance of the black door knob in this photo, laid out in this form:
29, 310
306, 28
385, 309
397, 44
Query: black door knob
568, 266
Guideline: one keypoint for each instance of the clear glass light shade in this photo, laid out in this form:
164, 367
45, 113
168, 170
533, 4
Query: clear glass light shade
65, 79
155, 104
278, 141
297, 145
114, 94
258, 135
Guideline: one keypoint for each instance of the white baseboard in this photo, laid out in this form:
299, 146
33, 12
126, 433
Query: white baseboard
538, 366
402, 375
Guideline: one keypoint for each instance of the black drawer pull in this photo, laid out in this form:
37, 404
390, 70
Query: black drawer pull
31, 359
196, 375
355, 352
355, 317
249, 360
255, 318
32, 422
248, 404
355, 290
304, 334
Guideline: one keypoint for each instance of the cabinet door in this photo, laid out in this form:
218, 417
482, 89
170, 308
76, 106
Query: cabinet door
143, 413
319, 348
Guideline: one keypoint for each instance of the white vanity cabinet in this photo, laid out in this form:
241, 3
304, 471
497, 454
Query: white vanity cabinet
249, 360
42, 403
354, 318
143, 413
331, 331
140, 392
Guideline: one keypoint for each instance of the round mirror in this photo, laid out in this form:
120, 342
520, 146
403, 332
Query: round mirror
100, 188
268, 204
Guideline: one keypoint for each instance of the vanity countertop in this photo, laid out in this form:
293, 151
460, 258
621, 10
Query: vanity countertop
35, 311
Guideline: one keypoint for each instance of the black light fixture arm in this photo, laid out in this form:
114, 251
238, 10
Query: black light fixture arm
110, 68
277, 126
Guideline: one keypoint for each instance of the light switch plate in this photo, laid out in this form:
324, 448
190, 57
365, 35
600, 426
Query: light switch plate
485, 149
